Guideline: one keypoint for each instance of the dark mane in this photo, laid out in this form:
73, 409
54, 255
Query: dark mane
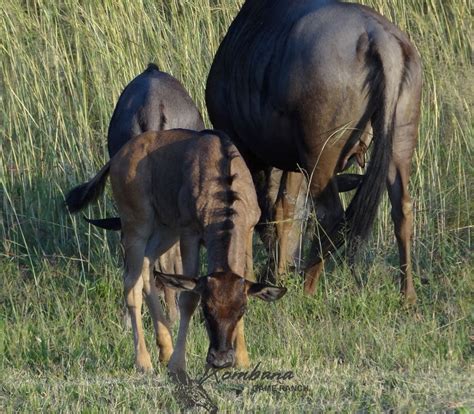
227, 195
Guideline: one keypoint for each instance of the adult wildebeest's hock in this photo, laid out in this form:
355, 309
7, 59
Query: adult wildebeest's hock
191, 187
299, 84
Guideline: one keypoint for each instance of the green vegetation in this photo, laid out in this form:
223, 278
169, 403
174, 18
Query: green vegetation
62, 342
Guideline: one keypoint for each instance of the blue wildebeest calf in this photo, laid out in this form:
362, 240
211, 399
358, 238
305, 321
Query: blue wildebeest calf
191, 187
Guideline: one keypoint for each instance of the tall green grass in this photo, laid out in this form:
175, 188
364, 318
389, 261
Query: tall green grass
63, 65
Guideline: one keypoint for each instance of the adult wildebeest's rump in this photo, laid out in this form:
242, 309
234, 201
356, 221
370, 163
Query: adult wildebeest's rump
153, 101
299, 83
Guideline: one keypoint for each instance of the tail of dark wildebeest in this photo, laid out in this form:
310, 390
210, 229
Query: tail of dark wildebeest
386, 73
84, 194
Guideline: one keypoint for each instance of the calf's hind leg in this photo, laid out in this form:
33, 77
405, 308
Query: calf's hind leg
169, 262
135, 266
159, 244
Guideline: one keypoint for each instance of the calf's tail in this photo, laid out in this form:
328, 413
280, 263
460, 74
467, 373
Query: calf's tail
84, 194
109, 223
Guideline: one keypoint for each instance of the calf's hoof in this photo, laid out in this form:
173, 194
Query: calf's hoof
143, 363
242, 360
410, 298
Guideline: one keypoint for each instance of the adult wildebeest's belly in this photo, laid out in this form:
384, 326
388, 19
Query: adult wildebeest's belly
288, 100
274, 143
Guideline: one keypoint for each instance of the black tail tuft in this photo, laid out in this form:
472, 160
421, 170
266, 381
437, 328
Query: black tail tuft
78, 198
84, 194
109, 223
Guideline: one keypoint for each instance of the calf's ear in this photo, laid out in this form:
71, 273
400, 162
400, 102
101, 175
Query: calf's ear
265, 292
179, 282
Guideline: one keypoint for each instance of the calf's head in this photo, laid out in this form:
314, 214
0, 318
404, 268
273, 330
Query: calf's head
224, 300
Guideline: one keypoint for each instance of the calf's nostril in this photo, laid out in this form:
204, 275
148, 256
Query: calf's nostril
221, 359
211, 356
219, 364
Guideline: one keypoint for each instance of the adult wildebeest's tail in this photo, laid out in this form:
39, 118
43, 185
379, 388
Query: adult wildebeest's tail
385, 77
84, 194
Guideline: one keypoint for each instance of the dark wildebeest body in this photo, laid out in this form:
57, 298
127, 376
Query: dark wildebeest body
152, 101
298, 84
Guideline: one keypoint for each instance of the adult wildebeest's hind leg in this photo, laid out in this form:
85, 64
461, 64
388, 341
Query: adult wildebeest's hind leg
328, 237
402, 216
404, 141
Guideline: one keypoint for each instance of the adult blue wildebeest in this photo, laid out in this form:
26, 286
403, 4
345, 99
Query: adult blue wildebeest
152, 101
299, 84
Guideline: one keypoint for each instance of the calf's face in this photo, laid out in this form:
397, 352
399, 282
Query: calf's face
224, 301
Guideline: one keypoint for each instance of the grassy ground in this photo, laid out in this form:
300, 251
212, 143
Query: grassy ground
62, 344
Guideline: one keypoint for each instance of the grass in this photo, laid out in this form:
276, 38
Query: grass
63, 346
